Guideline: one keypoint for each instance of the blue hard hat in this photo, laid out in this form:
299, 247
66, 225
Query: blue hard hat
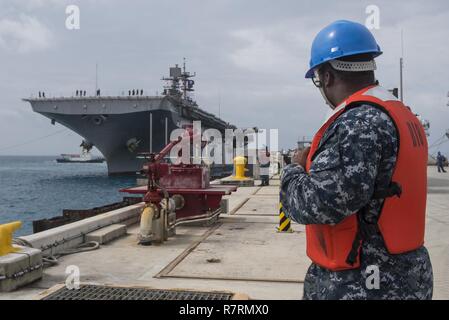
341, 38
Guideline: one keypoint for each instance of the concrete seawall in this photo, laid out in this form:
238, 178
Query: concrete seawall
67, 236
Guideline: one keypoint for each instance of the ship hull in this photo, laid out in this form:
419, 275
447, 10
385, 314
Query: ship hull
112, 137
121, 128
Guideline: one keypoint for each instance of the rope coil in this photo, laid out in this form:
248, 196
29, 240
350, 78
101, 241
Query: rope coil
50, 259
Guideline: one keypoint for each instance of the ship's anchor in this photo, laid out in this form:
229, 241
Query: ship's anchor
132, 144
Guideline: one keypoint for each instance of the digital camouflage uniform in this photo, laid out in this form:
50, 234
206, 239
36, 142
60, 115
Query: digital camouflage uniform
357, 153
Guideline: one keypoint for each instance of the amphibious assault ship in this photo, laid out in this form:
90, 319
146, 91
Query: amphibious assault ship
122, 127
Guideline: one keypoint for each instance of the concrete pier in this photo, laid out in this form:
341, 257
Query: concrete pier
242, 253
437, 227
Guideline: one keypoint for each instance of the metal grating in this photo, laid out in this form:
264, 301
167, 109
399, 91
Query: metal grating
96, 292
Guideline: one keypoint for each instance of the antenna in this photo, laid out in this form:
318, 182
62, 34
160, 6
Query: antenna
219, 104
96, 76
187, 84
401, 67
184, 80
179, 82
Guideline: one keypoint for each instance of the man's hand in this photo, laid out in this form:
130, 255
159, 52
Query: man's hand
300, 157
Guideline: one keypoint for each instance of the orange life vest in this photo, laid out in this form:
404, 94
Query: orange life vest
402, 219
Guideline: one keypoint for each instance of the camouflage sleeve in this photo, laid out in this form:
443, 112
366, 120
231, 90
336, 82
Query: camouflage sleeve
342, 177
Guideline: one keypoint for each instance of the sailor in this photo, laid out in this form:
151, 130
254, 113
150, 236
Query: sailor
264, 161
361, 194
440, 162
286, 158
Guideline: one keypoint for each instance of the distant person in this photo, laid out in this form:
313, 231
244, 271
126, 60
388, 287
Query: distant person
43, 94
129, 92
440, 162
287, 159
264, 168
133, 92
76, 93
40, 94
141, 92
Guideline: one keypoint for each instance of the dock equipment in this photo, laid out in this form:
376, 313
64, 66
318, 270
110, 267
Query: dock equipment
285, 224
114, 292
19, 265
239, 164
239, 178
176, 194
6, 231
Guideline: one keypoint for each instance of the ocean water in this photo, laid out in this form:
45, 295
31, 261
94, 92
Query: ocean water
37, 187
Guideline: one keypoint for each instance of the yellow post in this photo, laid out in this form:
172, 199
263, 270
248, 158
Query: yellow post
285, 224
239, 165
6, 231
238, 177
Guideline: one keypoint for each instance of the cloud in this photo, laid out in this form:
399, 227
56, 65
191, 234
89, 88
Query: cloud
272, 48
41, 3
24, 34
259, 52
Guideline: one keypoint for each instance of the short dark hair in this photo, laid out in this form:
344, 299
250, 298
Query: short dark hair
352, 77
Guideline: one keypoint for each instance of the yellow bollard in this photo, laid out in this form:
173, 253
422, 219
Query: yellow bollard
6, 231
238, 177
239, 165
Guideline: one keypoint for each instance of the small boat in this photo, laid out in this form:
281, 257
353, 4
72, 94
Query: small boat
84, 157
79, 158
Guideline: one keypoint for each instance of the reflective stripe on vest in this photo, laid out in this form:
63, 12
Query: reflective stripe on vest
402, 219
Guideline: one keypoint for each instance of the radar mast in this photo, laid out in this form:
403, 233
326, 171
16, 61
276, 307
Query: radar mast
179, 83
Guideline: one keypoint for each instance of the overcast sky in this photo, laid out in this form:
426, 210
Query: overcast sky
252, 54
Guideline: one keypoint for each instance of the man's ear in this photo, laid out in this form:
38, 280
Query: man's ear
328, 79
